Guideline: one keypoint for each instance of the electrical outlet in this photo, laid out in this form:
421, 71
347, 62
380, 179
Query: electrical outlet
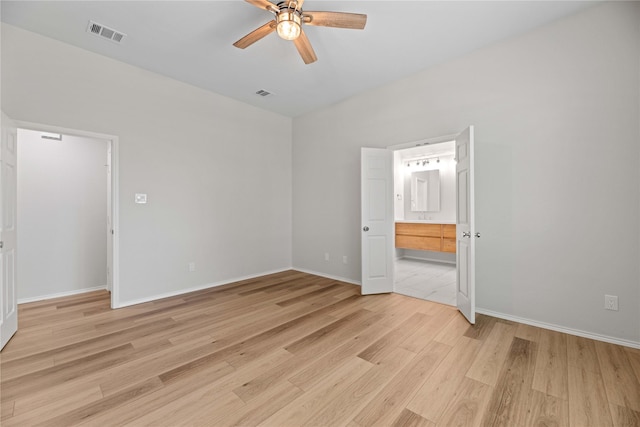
344, 259
611, 302
192, 266
326, 256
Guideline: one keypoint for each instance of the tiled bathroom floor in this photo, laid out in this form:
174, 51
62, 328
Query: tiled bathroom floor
427, 280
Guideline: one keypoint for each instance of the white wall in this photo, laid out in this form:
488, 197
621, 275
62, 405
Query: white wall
62, 215
558, 159
217, 172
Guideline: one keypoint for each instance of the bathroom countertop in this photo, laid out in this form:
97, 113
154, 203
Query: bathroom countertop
424, 221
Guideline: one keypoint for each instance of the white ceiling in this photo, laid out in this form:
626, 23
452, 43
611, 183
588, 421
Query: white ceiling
191, 41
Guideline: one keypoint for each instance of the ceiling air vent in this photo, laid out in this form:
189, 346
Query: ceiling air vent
51, 136
105, 32
263, 93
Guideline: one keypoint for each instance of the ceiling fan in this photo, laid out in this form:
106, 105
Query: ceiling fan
288, 21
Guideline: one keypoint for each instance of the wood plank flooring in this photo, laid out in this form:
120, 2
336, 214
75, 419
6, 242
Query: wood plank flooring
293, 349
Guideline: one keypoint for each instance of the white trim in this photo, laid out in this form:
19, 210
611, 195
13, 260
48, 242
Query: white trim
328, 276
115, 221
428, 141
550, 326
61, 294
197, 288
40, 127
115, 191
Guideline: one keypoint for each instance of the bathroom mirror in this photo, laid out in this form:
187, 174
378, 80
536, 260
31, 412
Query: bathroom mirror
425, 191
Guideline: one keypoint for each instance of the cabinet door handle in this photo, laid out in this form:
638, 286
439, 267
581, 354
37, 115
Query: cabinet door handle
477, 235
465, 234
365, 228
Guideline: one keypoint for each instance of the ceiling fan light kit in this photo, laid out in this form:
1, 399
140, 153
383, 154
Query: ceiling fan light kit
289, 18
288, 24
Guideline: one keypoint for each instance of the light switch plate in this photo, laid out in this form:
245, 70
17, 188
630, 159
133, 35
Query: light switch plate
141, 198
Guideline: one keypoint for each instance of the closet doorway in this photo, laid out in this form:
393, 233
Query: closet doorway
67, 210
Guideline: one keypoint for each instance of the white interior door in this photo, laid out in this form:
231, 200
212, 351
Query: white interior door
376, 187
465, 226
8, 189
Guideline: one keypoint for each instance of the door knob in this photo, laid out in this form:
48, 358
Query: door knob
365, 228
465, 234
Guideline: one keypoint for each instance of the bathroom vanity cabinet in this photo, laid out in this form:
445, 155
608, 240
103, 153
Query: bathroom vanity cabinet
426, 236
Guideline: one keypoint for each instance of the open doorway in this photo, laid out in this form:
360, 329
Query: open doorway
380, 228
66, 212
425, 217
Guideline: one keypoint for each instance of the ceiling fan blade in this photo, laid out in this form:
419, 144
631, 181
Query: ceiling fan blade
355, 21
304, 48
264, 4
256, 35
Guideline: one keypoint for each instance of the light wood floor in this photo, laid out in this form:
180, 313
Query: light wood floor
293, 349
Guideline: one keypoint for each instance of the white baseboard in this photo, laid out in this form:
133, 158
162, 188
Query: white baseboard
570, 331
328, 276
538, 324
61, 294
543, 325
155, 297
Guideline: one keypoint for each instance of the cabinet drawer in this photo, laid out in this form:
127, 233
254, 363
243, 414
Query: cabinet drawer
449, 231
449, 245
413, 229
419, 242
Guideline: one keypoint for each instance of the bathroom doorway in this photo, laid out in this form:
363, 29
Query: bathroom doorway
383, 188
425, 217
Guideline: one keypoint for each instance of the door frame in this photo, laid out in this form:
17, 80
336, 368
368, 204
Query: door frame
115, 196
427, 141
